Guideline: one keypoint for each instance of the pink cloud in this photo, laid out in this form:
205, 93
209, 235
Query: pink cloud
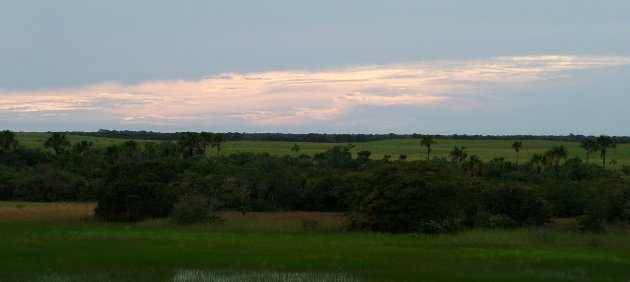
294, 97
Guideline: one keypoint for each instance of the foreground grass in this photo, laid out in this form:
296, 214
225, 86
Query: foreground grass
85, 250
89, 250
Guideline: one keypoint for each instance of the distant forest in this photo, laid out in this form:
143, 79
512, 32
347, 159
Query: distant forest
330, 138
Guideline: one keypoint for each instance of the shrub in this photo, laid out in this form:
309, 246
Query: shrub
408, 197
194, 208
45, 184
430, 226
608, 199
568, 198
590, 223
483, 219
309, 224
7, 182
500, 221
518, 202
136, 191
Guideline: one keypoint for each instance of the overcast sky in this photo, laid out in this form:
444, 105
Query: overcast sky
435, 67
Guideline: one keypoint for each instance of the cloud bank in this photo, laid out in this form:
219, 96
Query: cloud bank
296, 97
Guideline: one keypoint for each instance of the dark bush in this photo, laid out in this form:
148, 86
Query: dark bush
408, 197
309, 224
590, 223
195, 208
517, 201
46, 184
483, 219
500, 221
608, 199
136, 191
429, 226
26, 157
7, 182
567, 198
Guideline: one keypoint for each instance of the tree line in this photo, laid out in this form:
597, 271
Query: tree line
331, 138
132, 182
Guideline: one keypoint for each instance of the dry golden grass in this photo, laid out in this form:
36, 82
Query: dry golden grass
30, 211
231, 220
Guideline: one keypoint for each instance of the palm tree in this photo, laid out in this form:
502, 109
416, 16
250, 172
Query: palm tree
295, 148
517, 147
555, 155
427, 141
7, 141
604, 143
83, 148
111, 153
188, 142
57, 142
589, 146
458, 154
150, 150
206, 140
538, 160
363, 156
168, 149
217, 141
130, 147
613, 162
474, 165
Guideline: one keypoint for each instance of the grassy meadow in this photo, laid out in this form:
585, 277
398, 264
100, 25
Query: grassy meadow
485, 149
70, 246
63, 242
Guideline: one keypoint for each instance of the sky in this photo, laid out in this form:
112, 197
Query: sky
486, 67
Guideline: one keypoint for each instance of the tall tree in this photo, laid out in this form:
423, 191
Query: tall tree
206, 140
151, 150
83, 147
604, 143
295, 148
58, 142
517, 147
458, 154
217, 142
474, 165
168, 149
589, 146
189, 142
130, 147
613, 162
427, 141
111, 153
555, 155
7, 141
537, 160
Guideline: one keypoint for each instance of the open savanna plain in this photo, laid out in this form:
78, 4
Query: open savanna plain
62, 242
485, 149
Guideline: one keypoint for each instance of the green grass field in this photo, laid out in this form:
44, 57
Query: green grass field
485, 149
37, 139
62, 242
273, 247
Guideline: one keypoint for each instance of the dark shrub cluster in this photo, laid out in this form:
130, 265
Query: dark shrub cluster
134, 180
136, 191
195, 208
521, 204
406, 197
